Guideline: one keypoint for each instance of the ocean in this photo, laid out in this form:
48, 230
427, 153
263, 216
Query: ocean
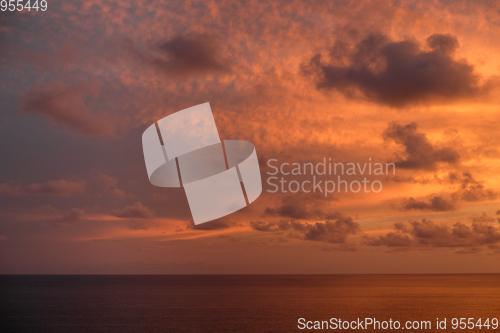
241, 303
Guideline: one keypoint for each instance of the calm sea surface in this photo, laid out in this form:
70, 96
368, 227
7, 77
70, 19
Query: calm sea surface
249, 303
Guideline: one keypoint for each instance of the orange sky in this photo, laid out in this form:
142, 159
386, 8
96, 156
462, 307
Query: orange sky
414, 84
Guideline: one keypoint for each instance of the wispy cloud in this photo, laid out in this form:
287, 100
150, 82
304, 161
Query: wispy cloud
62, 188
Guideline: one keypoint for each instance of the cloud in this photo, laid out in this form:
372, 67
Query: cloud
222, 223
293, 207
66, 106
136, 210
10, 189
119, 194
483, 218
398, 73
463, 178
437, 204
476, 192
56, 187
277, 226
184, 54
106, 180
329, 231
61, 188
471, 190
392, 239
421, 153
138, 225
72, 216
109, 184
467, 189
427, 233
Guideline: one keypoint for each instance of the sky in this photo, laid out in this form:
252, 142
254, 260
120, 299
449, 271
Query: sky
412, 83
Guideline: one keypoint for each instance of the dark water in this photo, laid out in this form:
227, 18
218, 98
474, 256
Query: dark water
257, 303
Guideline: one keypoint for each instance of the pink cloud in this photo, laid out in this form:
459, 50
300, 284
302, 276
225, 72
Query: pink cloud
136, 210
109, 185
10, 189
66, 106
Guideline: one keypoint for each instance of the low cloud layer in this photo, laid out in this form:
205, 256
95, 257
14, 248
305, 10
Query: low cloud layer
427, 233
437, 204
467, 189
398, 73
329, 231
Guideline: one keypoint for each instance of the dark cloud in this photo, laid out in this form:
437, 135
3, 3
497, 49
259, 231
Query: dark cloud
471, 190
463, 178
437, 204
398, 73
329, 231
483, 218
332, 232
467, 189
291, 209
136, 210
277, 226
447, 44
66, 106
421, 153
427, 230
392, 239
427, 233
414, 180
185, 55
264, 226
476, 192
61, 188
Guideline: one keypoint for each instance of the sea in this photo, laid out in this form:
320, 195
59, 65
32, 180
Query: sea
246, 303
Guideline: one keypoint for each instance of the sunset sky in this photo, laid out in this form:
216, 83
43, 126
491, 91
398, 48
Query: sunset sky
411, 83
